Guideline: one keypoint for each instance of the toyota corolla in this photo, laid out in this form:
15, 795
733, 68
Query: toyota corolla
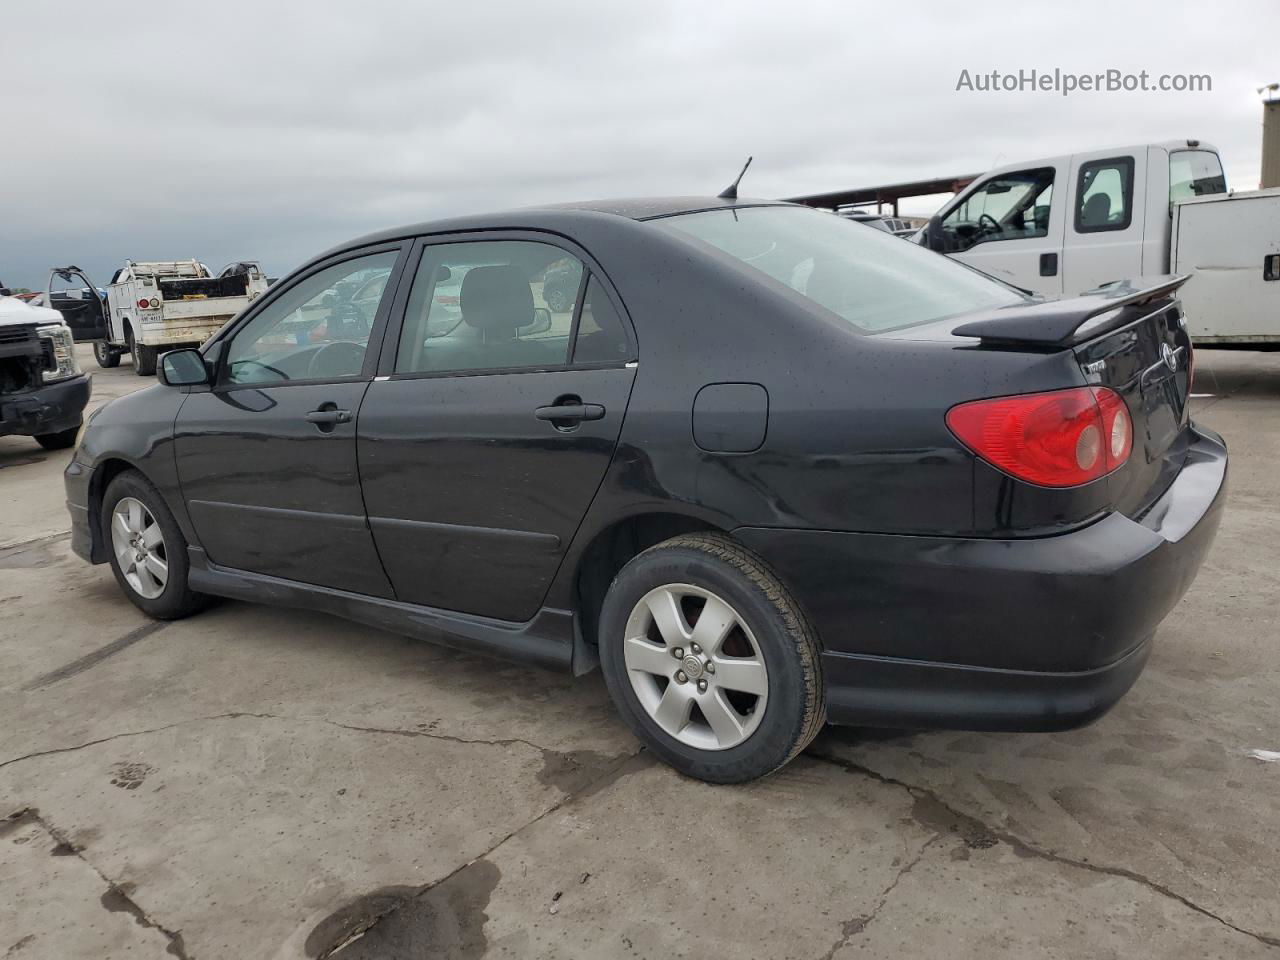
764, 466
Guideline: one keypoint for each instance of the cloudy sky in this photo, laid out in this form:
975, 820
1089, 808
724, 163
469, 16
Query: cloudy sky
256, 130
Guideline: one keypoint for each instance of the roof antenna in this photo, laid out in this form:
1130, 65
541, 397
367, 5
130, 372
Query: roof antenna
731, 191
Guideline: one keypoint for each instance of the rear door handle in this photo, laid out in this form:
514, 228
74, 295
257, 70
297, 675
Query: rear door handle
575, 412
329, 416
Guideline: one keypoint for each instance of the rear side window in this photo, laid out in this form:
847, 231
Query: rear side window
1104, 195
601, 337
1195, 173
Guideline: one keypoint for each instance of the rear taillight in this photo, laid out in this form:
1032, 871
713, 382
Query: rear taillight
1062, 438
143, 304
155, 304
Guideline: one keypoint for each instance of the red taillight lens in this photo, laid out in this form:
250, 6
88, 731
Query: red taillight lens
143, 303
1062, 438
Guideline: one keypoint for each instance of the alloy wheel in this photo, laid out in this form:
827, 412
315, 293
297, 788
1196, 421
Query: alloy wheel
695, 667
138, 543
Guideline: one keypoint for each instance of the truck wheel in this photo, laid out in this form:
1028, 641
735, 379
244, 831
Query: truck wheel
709, 659
148, 550
106, 355
144, 358
60, 440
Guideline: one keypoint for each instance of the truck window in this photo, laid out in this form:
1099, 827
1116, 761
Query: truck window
1104, 195
1194, 173
1012, 206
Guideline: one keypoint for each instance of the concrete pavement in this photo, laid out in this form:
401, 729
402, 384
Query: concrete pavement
266, 783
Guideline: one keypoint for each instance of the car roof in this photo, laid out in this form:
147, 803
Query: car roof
557, 217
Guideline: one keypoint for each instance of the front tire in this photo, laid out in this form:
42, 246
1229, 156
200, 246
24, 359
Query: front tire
710, 660
148, 550
106, 355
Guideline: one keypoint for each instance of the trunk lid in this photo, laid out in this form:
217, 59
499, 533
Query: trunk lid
1148, 363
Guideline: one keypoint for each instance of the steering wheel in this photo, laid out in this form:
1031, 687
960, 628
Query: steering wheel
342, 358
995, 224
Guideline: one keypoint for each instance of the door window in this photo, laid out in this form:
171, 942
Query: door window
490, 305
318, 329
1104, 195
1012, 206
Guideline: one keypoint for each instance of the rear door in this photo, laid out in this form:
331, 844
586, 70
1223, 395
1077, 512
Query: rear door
1107, 215
493, 420
267, 457
1010, 226
81, 306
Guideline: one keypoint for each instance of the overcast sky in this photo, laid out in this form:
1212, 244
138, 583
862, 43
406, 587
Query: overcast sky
238, 130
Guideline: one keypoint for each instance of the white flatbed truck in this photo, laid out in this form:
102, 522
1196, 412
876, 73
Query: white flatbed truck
155, 306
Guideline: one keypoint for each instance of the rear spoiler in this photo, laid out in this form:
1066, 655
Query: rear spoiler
1064, 323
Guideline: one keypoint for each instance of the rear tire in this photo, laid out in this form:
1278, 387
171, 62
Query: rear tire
106, 355
148, 551
60, 440
752, 695
144, 360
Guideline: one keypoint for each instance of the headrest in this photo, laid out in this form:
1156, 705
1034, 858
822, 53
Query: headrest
1097, 210
496, 298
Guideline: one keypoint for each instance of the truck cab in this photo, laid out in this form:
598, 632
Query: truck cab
1063, 225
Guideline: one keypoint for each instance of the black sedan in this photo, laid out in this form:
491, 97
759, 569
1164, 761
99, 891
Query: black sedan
772, 469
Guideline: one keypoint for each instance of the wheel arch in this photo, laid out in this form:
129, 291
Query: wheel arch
610, 549
104, 471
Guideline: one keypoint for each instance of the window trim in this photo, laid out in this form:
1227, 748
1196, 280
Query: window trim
1121, 161
373, 348
591, 267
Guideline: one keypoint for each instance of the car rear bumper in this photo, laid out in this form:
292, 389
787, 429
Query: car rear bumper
1042, 633
51, 408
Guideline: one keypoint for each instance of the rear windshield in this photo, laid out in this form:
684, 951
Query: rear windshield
872, 279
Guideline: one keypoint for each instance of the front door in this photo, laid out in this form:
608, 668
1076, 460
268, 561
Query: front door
267, 457
1010, 226
483, 447
81, 306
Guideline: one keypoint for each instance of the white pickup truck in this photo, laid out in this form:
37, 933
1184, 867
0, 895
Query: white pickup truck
152, 307
1063, 225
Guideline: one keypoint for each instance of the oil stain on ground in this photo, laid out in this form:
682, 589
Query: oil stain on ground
445, 921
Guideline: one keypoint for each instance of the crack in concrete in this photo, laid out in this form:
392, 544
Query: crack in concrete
851, 928
969, 826
118, 897
24, 544
611, 774
241, 714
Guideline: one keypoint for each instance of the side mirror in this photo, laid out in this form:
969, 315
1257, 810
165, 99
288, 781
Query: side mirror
933, 236
183, 368
540, 323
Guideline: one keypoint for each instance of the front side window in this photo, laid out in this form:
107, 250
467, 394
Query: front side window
1195, 173
490, 305
870, 279
318, 329
1104, 195
1012, 206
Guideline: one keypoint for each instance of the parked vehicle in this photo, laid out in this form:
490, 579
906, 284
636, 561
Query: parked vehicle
779, 470
1062, 225
151, 307
43, 392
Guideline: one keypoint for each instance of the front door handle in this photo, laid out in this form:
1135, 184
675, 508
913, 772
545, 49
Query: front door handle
329, 416
564, 415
